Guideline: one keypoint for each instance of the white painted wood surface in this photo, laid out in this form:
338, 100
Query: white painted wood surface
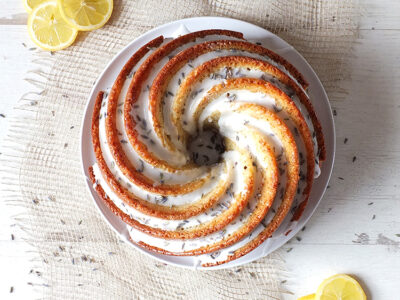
355, 230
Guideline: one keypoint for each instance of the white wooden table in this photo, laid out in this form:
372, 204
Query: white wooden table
355, 230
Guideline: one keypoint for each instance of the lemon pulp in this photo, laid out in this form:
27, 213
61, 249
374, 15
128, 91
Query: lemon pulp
86, 14
340, 287
48, 29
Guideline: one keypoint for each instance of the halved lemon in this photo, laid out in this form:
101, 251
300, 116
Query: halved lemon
31, 4
86, 15
340, 287
308, 297
48, 29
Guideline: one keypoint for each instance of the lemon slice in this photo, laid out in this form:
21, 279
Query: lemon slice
31, 4
340, 287
48, 29
86, 14
308, 297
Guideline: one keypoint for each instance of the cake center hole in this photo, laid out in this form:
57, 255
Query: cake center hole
206, 148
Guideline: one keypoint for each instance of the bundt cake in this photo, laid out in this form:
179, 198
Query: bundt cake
204, 144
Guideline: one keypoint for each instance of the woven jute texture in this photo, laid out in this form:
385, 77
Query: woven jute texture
77, 255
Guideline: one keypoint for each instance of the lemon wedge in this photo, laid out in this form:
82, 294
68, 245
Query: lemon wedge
31, 4
48, 29
308, 297
86, 15
340, 287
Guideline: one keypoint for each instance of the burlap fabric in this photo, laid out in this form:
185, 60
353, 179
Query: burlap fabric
78, 256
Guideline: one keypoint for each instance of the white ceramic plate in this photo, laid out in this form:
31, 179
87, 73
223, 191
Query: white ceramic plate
251, 32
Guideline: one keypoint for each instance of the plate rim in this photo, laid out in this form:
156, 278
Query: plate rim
86, 116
